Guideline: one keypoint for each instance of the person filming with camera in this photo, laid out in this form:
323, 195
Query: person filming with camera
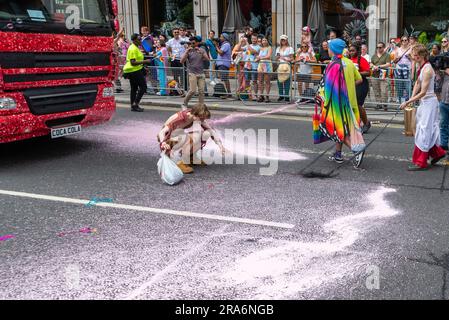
195, 57
444, 103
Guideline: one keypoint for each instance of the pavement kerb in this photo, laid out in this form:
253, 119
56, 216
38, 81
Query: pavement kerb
221, 107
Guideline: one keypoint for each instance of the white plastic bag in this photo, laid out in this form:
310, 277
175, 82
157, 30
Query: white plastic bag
168, 170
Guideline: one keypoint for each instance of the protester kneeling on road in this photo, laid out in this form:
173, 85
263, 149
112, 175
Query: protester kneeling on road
187, 131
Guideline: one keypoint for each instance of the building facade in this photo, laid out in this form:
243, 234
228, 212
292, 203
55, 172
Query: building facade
289, 16
277, 17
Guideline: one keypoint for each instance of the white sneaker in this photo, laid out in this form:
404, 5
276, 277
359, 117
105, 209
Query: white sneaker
357, 162
183, 106
158, 93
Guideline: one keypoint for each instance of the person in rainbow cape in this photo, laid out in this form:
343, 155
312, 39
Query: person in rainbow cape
339, 119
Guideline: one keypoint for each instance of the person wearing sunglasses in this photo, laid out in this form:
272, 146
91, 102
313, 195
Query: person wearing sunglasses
284, 54
444, 45
303, 57
380, 63
403, 66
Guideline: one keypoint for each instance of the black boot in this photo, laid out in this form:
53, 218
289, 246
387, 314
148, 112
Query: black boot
136, 108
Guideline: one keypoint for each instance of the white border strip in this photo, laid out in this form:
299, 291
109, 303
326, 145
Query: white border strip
151, 210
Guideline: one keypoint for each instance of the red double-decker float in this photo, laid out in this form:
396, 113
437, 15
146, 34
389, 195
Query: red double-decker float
57, 65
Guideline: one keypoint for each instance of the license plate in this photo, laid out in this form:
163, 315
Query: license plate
65, 131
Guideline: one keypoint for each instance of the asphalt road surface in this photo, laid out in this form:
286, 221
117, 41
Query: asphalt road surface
225, 232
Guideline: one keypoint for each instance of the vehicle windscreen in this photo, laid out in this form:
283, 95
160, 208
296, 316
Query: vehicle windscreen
89, 17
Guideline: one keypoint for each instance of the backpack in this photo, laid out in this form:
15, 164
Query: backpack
219, 90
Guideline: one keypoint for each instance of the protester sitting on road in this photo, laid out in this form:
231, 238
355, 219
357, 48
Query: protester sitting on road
284, 54
135, 72
380, 62
362, 89
195, 57
304, 56
264, 70
188, 131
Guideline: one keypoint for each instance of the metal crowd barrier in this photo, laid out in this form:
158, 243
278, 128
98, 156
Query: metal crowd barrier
165, 80
307, 78
300, 85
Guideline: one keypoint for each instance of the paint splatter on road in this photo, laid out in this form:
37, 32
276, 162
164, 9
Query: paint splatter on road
287, 268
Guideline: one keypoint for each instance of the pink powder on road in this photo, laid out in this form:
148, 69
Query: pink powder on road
235, 116
6, 237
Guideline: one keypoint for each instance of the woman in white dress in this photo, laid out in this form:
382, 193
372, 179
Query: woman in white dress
427, 136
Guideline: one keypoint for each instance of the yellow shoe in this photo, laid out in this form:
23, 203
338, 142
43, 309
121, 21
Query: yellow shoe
184, 168
196, 162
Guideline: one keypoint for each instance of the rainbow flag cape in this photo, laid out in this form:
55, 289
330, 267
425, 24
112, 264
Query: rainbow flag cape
337, 117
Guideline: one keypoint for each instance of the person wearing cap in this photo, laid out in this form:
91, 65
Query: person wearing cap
340, 118
284, 54
135, 72
195, 58
224, 60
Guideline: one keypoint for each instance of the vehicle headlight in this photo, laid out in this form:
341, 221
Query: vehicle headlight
108, 92
7, 104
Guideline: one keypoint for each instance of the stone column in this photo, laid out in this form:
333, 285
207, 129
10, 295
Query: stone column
206, 8
128, 11
287, 19
393, 20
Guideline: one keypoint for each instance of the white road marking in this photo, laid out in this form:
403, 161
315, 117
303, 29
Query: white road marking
151, 210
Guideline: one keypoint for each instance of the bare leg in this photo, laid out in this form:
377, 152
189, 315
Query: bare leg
260, 83
267, 85
363, 115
